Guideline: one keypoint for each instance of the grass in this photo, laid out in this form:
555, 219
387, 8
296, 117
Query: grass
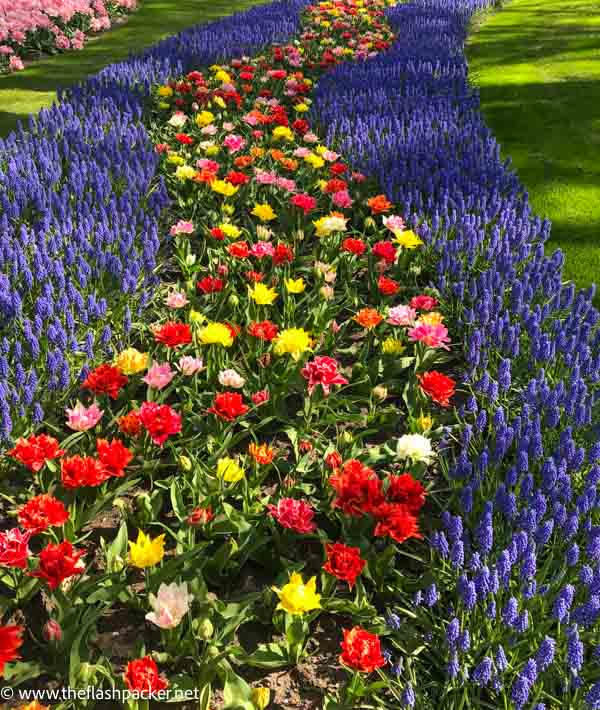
537, 65
28, 91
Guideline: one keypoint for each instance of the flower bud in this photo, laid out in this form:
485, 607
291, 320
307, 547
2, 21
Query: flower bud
380, 392
87, 675
233, 299
121, 504
52, 631
333, 460
212, 652
263, 233
185, 463
264, 360
190, 260
347, 437
425, 422
326, 293
205, 629
260, 697
143, 508
200, 516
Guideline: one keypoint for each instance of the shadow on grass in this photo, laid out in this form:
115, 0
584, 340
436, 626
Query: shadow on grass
536, 65
551, 133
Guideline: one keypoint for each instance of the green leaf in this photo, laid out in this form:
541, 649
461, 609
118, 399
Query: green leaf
18, 673
236, 693
177, 501
268, 655
74, 656
184, 686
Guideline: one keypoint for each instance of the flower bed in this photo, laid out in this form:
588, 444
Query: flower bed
519, 546
277, 416
50, 26
91, 143
276, 456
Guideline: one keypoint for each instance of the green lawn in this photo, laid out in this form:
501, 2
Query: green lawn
537, 64
28, 91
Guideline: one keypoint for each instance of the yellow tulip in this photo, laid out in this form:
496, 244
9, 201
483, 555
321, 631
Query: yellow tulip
296, 597
264, 212
131, 361
262, 295
146, 552
229, 470
295, 285
216, 334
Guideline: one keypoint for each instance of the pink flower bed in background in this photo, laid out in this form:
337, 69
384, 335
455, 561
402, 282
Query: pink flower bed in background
32, 26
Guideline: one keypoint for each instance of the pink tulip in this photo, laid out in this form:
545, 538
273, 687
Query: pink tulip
176, 299
189, 365
159, 376
182, 227
82, 418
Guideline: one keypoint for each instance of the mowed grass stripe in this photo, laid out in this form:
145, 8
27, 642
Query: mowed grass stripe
537, 65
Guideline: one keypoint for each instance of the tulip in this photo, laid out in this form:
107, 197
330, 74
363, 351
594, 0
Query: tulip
170, 605
52, 631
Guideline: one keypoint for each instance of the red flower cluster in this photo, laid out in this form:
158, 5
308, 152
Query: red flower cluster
105, 379
359, 492
173, 334
114, 456
344, 562
42, 512
322, 370
160, 421
283, 254
407, 491
228, 406
379, 204
59, 562
239, 250
78, 471
423, 303
130, 424
35, 451
11, 639
385, 250
294, 515
437, 386
333, 460
354, 246
184, 139
304, 202
142, 676
397, 522
358, 489
261, 397
265, 330
387, 287
361, 650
